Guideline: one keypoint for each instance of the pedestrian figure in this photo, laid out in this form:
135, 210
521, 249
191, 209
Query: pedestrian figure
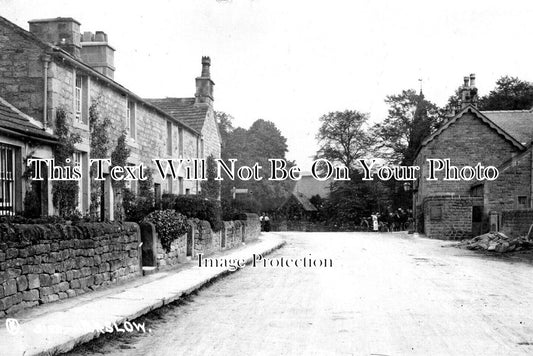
375, 223
262, 221
266, 220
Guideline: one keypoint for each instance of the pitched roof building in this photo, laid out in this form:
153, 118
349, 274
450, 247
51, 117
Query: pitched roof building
21, 136
55, 66
459, 208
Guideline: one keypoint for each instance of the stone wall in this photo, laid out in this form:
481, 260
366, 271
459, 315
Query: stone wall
513, 184
448, 217
21, 70
516, 223
44, 263
203, 238
232, 234
252, 226
211, 136
177, 253
468, 141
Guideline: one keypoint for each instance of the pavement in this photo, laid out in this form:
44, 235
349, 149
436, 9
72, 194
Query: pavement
385, 294
58, 327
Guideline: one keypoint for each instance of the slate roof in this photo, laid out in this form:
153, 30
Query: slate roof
496, 127
183, 109
517, 123
306, 204
310, 186
15, 122
63, 55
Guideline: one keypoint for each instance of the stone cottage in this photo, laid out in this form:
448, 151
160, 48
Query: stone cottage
454, 209
21, 136
55, 66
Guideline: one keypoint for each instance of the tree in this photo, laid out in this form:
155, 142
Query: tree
342, 137
211, 187
411, 118
225, 127
510, 93
262, 141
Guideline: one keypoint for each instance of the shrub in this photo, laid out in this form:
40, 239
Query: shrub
136, 208
234, 209
167, 200
169, 225
32, 204
194, 206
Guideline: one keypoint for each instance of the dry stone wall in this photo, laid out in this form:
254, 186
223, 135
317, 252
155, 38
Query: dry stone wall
516, 223
44, 263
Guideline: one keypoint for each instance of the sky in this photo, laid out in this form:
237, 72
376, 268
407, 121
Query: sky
291, 61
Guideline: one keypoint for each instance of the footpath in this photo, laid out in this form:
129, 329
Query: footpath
58, 327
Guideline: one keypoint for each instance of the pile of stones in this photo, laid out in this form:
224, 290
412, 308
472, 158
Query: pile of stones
498, 242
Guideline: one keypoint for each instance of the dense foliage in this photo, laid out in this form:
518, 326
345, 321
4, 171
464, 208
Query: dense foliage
169, 225
65, 192
262, 141
510, 93
136, 207
342, 137
194, 206
210, 187
99, 143
119, 157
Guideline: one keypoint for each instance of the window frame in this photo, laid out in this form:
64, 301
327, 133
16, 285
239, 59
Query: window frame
78, 97
7, 180
131, 118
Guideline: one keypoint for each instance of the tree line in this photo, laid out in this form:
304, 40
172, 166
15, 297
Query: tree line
346, 136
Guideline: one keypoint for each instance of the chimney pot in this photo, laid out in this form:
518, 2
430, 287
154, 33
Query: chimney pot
100, 36
466, 83
206, 63
472, 80
87, 36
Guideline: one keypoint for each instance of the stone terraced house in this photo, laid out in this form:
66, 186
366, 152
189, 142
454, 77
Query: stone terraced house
461, 209
54, 65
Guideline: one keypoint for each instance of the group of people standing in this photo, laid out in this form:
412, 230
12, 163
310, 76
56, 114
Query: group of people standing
265, 222
398, 220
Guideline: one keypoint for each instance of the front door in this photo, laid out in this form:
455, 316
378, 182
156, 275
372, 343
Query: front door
477, 220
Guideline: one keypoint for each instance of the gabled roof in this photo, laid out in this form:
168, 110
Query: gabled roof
483, 118
15, 122
517, 123
183, 109
304, 202
56, 51
310, 186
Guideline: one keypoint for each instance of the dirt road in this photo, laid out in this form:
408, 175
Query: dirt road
386, 294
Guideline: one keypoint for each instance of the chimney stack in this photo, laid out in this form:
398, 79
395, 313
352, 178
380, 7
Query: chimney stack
97, 53
469, 91
63, 32
204, 84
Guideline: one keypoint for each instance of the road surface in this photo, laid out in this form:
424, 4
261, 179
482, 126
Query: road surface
386, 294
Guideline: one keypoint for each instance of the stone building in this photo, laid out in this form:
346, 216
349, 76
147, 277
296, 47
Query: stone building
55, 66
21, 136
454, 209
